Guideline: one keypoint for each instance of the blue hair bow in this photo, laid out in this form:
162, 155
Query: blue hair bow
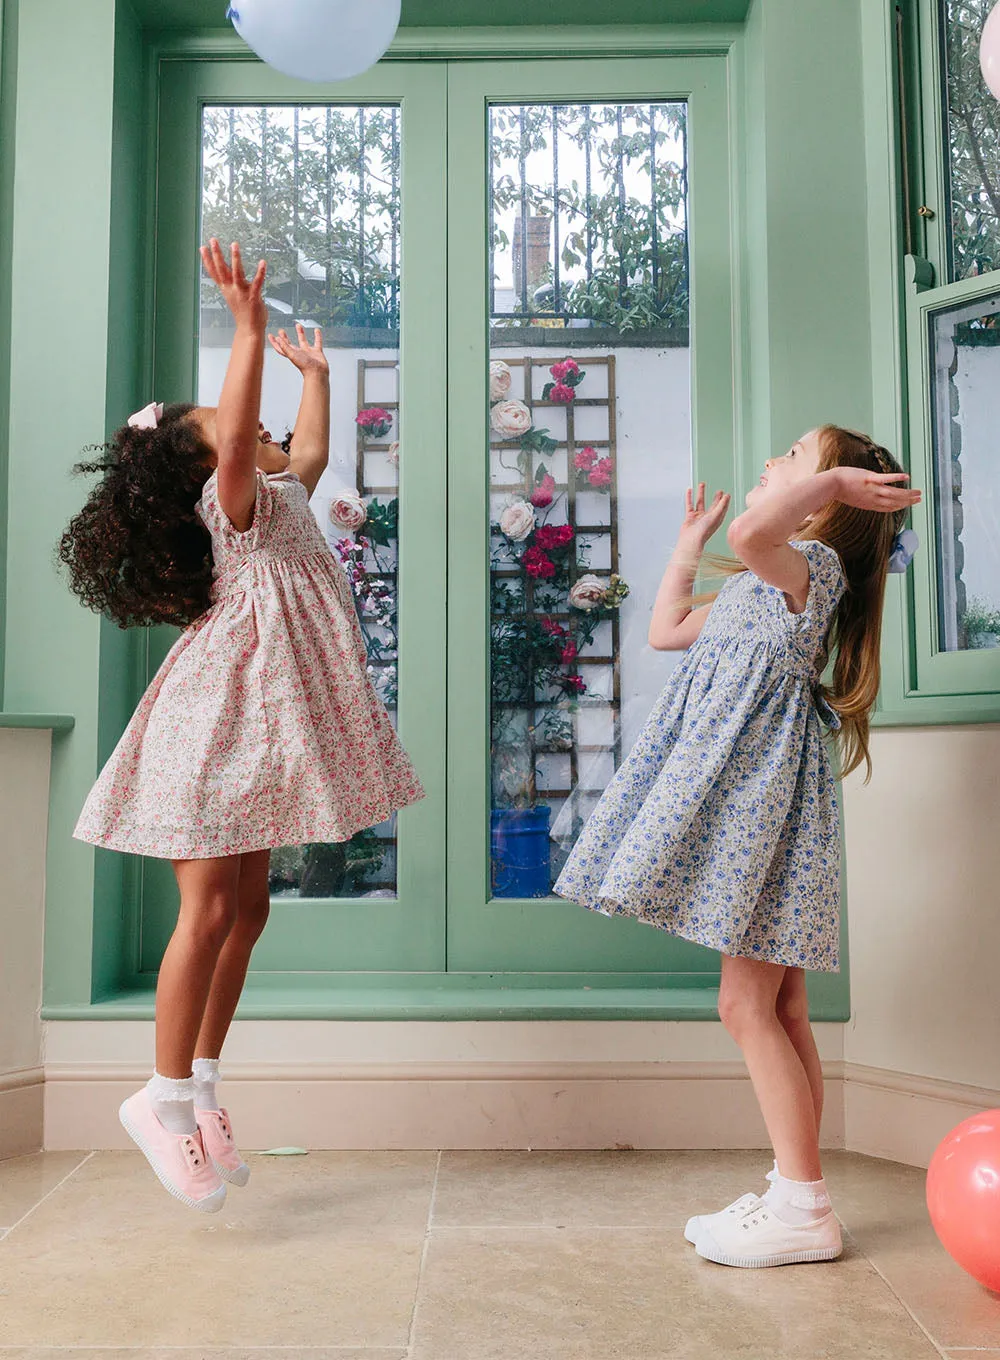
904, 546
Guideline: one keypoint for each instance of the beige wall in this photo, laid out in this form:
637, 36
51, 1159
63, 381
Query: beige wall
24, 794
923, 883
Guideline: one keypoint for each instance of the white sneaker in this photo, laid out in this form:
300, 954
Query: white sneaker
693, 1227
757, 1238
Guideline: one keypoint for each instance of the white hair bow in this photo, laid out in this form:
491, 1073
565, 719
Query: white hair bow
148, 418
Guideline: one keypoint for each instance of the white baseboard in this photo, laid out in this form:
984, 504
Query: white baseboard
22, 1111
450, 1105
518, 1105
903, 1118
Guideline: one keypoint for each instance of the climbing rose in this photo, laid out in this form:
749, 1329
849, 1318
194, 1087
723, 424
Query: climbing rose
587, 593
569, 367
512, 419
517, 521
562, 394
500, 380
544, 493
347, 511
585, 459
551, 536
536, 564
600, 473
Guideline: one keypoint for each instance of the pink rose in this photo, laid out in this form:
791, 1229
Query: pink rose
511, 419
392, 453
568, 368
500, 380
544, 492
347, 511
517, 521
585, 459
600, 473
562, 394
587, 593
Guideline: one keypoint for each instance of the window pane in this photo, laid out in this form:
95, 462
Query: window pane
315, 190
973, 138
965, 350
590, 453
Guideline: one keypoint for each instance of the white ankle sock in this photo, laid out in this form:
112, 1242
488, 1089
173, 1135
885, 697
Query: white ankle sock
798, 1202
173, 1102
206, 1075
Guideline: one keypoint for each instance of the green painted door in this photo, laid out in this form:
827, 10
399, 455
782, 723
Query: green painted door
590, 247
336, 193
527, 216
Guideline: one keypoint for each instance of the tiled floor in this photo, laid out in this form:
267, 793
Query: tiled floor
463, 1256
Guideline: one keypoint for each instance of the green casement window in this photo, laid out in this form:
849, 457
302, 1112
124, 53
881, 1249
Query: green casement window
952, 229
461, 229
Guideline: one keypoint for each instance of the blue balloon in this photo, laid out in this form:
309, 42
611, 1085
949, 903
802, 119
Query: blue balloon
317, 40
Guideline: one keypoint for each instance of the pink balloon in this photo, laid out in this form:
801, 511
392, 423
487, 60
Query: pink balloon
963, 1195
989, 51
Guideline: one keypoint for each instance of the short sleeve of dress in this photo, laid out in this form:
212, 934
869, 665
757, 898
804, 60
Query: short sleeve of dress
827, 584
221, 526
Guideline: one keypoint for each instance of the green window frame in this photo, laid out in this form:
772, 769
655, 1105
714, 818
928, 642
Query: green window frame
925, 683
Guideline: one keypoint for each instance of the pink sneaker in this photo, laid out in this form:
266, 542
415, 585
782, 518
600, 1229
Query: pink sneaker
217, 1133
179, 1159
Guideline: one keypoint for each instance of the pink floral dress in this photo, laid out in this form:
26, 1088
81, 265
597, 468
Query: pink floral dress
261, 728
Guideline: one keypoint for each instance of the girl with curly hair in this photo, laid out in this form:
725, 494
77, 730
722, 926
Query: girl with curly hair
261, 728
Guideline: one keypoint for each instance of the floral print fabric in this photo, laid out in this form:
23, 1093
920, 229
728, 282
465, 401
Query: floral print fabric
721, 826
261, 728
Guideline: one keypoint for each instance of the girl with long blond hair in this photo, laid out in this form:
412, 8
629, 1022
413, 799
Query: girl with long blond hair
722, 826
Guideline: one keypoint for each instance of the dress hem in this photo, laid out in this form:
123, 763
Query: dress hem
689, 936
337, 834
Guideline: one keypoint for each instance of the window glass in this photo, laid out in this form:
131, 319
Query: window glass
973, 142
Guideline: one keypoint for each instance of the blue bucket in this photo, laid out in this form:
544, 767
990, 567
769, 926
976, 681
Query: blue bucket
519, 840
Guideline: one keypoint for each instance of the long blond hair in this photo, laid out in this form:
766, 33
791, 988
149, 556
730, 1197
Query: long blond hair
863, 541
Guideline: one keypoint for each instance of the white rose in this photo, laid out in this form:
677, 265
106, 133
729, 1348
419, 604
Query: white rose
511, 419
347, 511
517, 521
500, 380
587, 593
393, 452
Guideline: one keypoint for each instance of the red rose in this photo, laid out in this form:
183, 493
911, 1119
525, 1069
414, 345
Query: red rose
600, 473
585, 459
551, 536
562, 394
569, 367
575, 683
536, 564
544, 492
552, 628
568, 655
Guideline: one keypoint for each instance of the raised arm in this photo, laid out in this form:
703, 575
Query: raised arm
310, 446
759, 537
238, 414
676, 624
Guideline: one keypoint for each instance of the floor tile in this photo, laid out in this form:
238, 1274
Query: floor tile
883, 1207
643, 1294
610, 1189
323, 1250
26, 1180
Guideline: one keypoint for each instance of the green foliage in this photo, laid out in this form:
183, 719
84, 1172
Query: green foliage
980, 617
974, 143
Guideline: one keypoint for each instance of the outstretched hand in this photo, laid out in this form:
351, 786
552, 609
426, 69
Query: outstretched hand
701, 523
875, 490
245, 299
306, 358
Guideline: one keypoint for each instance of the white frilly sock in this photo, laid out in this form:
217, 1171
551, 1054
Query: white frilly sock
206, 1077
798, 1202
173, 1102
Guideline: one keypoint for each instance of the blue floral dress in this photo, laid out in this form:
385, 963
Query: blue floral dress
722, 826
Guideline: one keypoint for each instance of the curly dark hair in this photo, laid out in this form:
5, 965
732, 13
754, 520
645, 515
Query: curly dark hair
137, 551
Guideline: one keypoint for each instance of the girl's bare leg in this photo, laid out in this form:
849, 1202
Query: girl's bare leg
254, 903
793, 1012
209, 898
748, 1007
